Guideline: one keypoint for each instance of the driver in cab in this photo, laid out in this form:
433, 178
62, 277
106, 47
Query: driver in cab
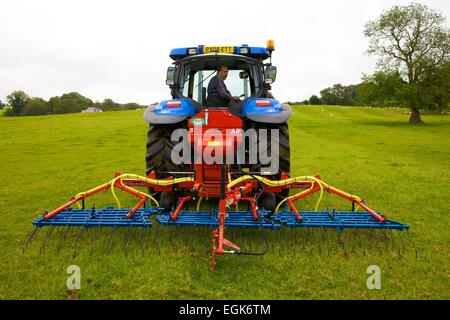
218, 94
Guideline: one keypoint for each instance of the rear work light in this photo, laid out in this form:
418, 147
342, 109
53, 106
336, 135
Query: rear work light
192, 51
173, 103
263, 103
244, 50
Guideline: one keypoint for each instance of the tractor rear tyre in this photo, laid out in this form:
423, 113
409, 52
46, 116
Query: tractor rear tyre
284, 156
158, 158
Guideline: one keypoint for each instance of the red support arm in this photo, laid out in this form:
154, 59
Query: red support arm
101, 188
360, 203
174, 215
253, 206
136, 207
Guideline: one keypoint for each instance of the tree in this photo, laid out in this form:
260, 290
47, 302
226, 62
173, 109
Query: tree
36, 106
314, 100
435, 90
108, 104
338, 95
382, 89
17, 100
412, 41
1, 105
71, 102
66, 106
132, 106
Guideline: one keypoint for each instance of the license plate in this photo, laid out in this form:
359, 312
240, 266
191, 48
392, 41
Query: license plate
218, 50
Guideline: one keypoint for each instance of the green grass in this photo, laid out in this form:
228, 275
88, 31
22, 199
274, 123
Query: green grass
399, 169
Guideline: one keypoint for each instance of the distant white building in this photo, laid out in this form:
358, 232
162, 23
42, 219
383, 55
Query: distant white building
92, 109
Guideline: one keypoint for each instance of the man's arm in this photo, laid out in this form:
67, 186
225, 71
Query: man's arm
223, 92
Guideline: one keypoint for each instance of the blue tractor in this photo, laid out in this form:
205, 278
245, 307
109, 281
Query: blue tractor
250, 77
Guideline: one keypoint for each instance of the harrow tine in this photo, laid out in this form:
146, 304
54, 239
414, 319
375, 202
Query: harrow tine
315, 239
127, 239
304, 237
47, 235
328, 241
412, 241
342, 242
177, 239
78, 241
159, 241
279, 243
252, 240
264, 242
64, 236
320, 240
392, 238
144, 242
271, 239
386, 238
370, 236
310, 240
294, 247
94, 240
305, 243
354, 239
111, 239
311, 251
391, 232
401, 241
29, 238
359, 239
363, 247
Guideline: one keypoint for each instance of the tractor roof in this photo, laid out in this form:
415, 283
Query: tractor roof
259, 53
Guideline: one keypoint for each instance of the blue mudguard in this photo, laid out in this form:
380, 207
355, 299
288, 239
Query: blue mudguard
266, 110
169, 111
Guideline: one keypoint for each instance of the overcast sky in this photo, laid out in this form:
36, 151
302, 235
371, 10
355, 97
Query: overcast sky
120, 49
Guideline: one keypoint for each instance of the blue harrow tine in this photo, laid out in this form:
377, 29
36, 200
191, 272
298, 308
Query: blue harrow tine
127, 239
61, 237
49, 232
401, 241
111, 240
144, 242
64, 236
327, 242
29, 238
414, 245
94, 240
77, 241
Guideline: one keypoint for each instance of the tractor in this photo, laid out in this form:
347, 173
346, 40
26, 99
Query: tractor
250, 78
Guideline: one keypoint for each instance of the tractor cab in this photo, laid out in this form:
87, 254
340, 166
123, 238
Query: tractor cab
248, 76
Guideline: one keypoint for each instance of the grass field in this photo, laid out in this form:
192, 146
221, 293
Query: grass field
399, 169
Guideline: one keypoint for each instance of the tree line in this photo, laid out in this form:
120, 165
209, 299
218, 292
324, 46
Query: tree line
412, 45
389, 89
23, 105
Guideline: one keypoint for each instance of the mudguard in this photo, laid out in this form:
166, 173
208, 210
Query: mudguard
169, 111
266, 110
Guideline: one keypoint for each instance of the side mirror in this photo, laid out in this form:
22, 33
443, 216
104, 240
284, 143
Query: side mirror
170, 76
270, 74
243, 75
